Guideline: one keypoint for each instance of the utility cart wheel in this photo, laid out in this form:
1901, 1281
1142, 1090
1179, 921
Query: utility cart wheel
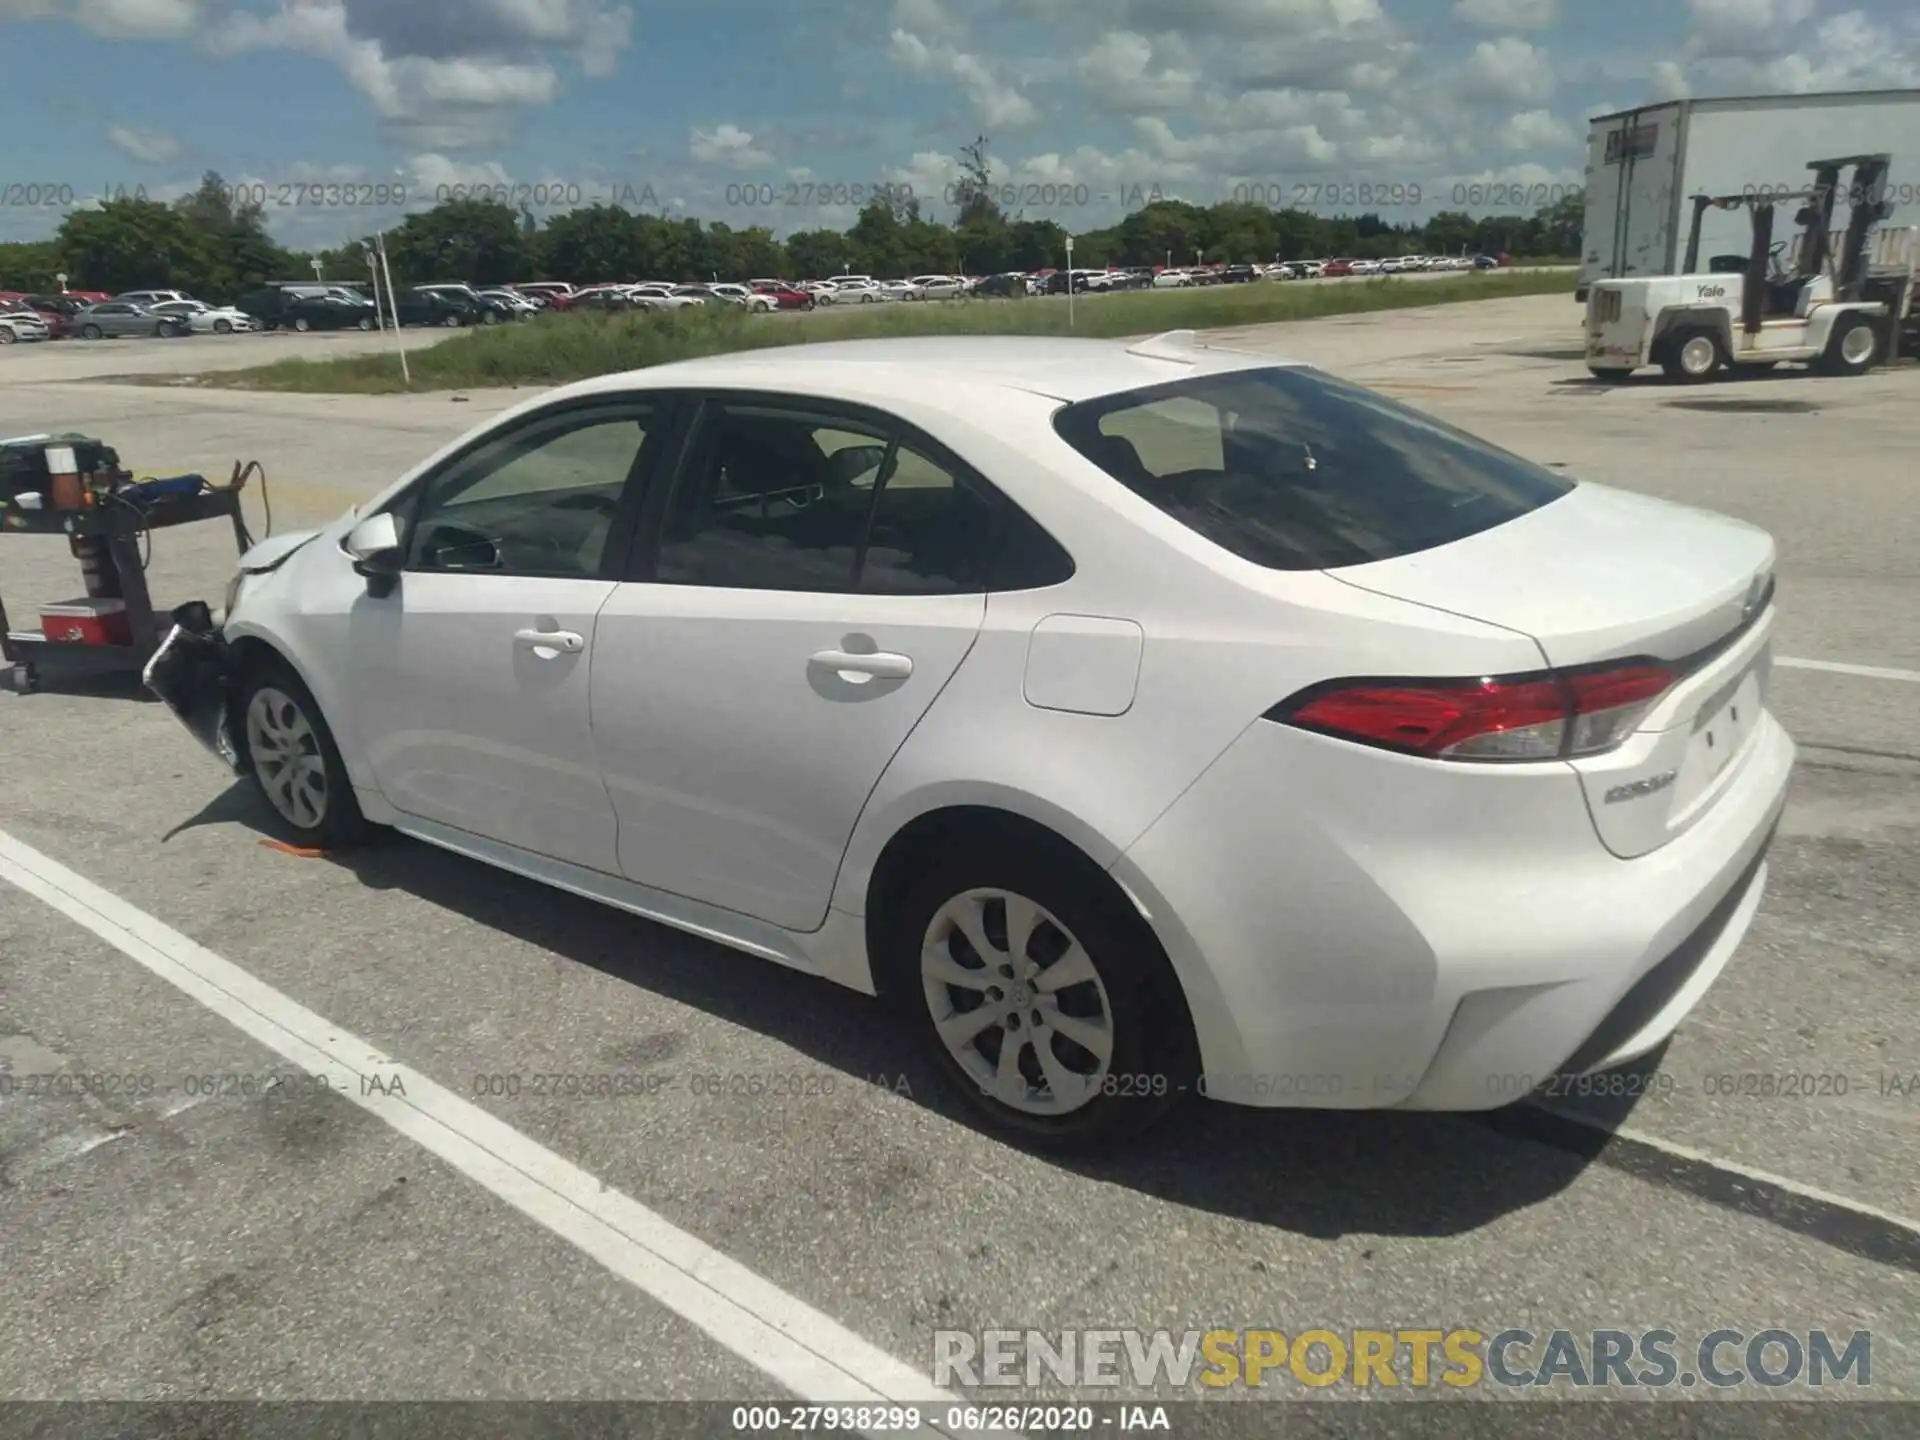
1692, 356
26, 678
1853, 349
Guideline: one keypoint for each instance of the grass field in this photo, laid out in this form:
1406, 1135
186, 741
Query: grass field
555, 349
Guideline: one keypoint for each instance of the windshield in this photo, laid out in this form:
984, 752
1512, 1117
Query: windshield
1293, 469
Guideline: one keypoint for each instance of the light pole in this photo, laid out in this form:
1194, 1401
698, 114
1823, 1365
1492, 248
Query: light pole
1070, 282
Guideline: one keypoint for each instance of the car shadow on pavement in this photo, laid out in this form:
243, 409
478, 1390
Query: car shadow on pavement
1317, 1173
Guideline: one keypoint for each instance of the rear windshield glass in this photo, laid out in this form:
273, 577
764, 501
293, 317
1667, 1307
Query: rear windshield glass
1292, 469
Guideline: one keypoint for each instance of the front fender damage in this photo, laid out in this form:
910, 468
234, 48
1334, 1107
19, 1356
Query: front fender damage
196, 675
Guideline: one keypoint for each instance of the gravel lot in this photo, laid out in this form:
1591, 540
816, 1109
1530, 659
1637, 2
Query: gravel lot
287, 1244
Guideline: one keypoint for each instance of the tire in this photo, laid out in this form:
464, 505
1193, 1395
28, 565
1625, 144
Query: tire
283, 728
452, 322
302, 324
223, 327
1130, 987
1692, 356
7, 337
90, 332
1853, 348
1610, 375
364, 323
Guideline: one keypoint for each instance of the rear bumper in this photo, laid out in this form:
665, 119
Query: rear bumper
1358, 931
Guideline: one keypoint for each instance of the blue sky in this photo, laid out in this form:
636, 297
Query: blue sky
776, 113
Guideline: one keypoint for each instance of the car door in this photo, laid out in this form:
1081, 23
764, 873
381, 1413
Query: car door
470, 679
806, 587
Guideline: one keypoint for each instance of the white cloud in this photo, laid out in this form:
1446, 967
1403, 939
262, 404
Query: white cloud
139, 19
148, 147
998, 104
1507, 70
1534, 130
1508, 15
729, 146
1118, 71
1670, 80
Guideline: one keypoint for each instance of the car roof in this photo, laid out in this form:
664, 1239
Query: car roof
1061, 369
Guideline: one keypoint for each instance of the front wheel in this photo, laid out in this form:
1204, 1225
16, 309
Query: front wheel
1047, 1004
366, 323
1853, 348
1610, 375
452, 322
1692, 357
223, 327
90, 332
294, 761
303, 325
7, 337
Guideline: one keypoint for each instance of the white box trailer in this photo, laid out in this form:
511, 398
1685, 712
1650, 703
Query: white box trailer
1644, 165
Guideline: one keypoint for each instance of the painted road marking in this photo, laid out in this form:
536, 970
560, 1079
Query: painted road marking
808, 1353
1834, 667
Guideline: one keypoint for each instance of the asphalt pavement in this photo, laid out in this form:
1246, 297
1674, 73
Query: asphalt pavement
189, 1215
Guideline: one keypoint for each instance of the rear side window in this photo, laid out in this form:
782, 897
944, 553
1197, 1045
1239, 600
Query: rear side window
1294, 470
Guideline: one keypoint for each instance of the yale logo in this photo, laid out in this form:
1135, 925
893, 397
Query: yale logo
1713, 292
1634, 790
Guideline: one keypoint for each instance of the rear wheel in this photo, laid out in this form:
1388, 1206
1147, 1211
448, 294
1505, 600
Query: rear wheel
90, 332
223, 327
1853, 347
302, 324
1692, 356
1045, 1001
366, 322
293, 759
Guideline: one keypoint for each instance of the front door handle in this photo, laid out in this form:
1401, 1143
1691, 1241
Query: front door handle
563, 640
881, 666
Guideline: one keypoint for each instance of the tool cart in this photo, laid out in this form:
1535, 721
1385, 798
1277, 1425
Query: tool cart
73, 486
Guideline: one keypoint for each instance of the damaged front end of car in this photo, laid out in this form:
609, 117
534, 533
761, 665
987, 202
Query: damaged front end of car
196, 674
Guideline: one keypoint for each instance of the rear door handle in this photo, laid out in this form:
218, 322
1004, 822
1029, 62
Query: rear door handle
564, 640
882, 666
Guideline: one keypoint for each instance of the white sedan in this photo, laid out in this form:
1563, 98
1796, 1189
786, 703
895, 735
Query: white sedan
23, 325
940, 287
1142, 720
205, 319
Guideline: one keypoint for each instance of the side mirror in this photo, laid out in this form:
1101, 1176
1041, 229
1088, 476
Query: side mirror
849, 465
375, 547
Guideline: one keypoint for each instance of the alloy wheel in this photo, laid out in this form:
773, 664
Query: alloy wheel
1018, 1002
287, 758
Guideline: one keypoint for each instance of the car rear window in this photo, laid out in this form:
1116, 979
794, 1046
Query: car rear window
1293, 469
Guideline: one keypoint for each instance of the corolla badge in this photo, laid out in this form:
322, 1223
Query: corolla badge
1638, 789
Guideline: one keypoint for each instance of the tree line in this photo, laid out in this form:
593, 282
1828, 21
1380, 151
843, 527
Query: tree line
213, 243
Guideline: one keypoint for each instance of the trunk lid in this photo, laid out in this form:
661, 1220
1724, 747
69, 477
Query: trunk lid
1601, 575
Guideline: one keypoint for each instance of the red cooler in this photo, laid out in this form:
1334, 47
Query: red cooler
87, 622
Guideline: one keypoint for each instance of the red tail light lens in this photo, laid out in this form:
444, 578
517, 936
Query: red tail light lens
1533, 717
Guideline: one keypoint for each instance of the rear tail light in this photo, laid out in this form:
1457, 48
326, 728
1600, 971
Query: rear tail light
1531, 717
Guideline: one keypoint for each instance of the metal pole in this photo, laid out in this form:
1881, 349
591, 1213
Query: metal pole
393, 301
1070, 282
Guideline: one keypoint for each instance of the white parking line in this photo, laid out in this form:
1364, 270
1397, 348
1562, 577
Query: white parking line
1834, 667
809, 1354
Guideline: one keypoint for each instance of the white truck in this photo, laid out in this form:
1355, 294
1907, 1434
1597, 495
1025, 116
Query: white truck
1840, 300
1644, 165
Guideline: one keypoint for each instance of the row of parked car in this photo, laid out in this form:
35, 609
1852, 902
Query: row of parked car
303, 306
93, 315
